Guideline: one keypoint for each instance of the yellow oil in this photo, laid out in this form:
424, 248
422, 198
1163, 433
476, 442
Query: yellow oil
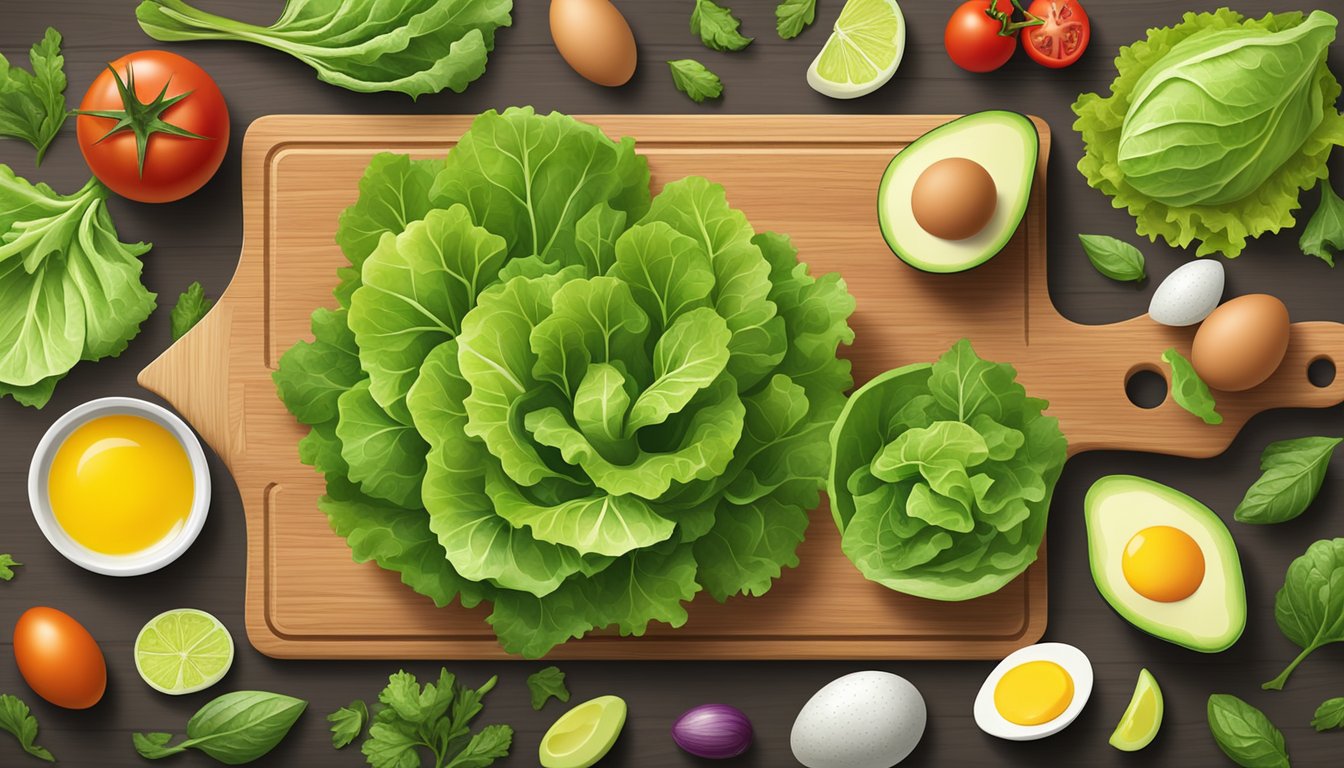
121, 484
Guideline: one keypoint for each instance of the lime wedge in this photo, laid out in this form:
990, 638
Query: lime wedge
863, 51
1142, 718
183, 651
584, 734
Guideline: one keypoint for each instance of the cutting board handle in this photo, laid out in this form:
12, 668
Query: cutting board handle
193, 376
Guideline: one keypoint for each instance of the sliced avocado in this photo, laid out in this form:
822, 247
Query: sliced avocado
1212, 617
584, 734
1003, 143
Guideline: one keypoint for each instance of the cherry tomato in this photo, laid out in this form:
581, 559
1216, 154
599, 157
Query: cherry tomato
1062, 38
59, 659
153, 127
975, 41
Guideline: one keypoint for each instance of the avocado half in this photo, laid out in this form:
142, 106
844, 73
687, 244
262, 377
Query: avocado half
1005, 144
1211, 619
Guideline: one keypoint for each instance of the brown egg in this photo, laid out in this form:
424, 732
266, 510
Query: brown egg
1241, 343
954, 198
594, 39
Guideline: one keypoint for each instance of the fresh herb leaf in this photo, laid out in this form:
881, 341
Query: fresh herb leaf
1309, 608
1114, 258
693, 79
546, 683
1244, 733
7, 566
436, 717
1188, 390
1329, 715
235, 728
32, 104
190, 309
793, 16
717, 27
411, 46
1323, 236
347, 723
1293, 473
16, 719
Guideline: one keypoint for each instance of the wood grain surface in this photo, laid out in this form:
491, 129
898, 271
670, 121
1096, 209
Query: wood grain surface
199, 239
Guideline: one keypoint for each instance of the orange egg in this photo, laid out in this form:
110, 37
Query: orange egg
1241, 343
59, 659
595, 39
1163, 563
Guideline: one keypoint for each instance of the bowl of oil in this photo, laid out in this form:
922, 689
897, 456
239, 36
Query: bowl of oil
120, 486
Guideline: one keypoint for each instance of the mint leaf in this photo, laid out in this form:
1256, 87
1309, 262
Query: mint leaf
693, 79
16, 719
190, 309
32, 104
1188, 390
793, 16
546, 683
1323, 236
7, 565
347, 723
717, 27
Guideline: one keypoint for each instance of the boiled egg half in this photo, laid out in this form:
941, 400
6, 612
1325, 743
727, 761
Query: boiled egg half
1035, 692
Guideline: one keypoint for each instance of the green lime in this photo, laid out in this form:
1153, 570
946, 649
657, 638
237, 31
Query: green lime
584, 734
863, 52
1142, 718
183, 651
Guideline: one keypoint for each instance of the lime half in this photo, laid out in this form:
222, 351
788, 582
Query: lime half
863, 51
1142, 718
183, 651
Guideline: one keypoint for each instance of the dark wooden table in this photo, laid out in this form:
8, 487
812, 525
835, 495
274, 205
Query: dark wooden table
198, 239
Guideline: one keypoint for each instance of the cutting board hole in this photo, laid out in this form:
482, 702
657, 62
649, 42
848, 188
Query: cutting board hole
1146, 388
1321, 372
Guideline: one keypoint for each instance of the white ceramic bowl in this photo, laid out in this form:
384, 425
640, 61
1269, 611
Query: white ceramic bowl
136, 563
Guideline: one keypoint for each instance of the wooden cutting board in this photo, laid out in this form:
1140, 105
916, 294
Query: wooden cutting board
813, 177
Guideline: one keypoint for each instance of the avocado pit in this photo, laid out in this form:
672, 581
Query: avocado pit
954, 198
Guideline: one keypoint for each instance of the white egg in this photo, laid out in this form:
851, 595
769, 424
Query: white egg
1188, 294
863, 720
1074, 662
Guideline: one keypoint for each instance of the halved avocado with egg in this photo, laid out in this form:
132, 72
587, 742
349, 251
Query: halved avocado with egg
952, 199
1165, 562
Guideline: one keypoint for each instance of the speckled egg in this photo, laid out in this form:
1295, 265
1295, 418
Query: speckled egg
862, 720
1188, 294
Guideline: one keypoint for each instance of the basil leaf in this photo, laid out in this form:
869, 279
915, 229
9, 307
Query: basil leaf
1293, 473
1114, 258
1188, 390
1310, 607
1323, 236
1329, 715
18, 720
693, 79
545, 684
7, 566
347, 723
717, 27
190, 309
793, 16
235, 728
1245, 734
32, 104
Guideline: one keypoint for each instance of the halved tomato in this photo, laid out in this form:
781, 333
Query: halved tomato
1063, 35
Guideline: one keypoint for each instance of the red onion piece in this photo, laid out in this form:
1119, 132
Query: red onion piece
713, 731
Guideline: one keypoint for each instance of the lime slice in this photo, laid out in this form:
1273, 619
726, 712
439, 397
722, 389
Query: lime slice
183, 651
863, 51
584, 734
1142, 718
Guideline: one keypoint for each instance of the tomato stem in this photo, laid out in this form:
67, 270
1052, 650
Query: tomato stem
1009, 27
144, 119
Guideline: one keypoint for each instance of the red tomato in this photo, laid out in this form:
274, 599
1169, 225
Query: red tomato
59, 659
975, 41
181, 114
1062, 38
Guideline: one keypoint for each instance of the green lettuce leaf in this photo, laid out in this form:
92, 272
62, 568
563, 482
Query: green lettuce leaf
1323, 236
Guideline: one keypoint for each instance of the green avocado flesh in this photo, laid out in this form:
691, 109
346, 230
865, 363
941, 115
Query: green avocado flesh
1005, 144
1211, 618
584, 734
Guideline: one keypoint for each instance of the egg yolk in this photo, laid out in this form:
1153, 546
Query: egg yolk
1033, 693
121, 484
1163, 564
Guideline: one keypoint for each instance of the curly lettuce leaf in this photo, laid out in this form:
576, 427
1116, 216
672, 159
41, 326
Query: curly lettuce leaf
1324, 233
1189, 390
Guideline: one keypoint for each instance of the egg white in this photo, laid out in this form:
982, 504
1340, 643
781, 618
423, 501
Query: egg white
1071, 659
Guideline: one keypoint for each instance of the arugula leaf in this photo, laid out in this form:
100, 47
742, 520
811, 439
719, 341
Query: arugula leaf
7, 566
436, 717
32, 104
1293, 473
1188, 390
190, 309
693, 79
1309, 608
544, 684
1323, 236
717, 27
235, 728
347, 723
1244, 734
1114, 258
793, 16
1329, 715
16, 719
412, 46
